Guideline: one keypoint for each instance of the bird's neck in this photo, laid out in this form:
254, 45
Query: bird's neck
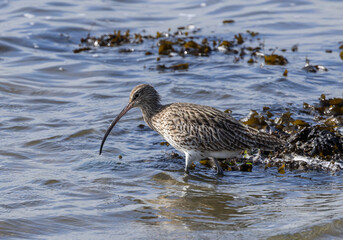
150, 110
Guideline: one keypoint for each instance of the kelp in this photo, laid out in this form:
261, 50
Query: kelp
181, 43
230, 164
81, 49
228, 21
181, 66
191, 47
275, 59
165, 47
316, 141
326, 107
185, 42
239, 39
281, 169
252, 33
228, 111
107, 40
164, 144
246, 167
320, 138
255, 120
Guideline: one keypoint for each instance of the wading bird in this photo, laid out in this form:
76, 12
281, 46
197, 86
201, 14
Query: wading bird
196, 130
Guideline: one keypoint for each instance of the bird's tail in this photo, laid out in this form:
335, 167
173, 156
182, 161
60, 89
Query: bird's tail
267, 142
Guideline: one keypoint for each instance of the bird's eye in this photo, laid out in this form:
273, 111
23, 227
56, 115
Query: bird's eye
136, 95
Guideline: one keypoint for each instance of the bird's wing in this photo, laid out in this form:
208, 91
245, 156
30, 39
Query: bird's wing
204, 127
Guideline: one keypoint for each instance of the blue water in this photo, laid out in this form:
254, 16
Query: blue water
55, 106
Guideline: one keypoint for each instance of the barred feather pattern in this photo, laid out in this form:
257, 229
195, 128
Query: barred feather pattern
189, 126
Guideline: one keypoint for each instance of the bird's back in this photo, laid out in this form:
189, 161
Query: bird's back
206, 129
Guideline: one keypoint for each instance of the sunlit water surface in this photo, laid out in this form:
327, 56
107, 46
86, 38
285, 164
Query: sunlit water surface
55, 106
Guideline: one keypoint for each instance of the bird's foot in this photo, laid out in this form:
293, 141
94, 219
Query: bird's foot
187, 170
220, 171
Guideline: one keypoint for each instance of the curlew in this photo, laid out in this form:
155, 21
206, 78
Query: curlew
196, 130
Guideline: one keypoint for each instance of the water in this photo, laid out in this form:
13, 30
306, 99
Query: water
56, 105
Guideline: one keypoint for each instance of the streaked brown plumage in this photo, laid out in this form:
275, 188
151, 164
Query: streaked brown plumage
198, 131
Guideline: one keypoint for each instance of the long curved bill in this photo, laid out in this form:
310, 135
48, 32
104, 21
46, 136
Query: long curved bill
114, 122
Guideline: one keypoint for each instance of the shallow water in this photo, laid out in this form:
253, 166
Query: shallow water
56, 105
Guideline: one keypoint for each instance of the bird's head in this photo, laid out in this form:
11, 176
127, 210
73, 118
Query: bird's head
141, 96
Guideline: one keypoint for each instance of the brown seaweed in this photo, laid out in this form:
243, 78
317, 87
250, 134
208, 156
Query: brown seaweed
319, 138
184, 42
275, 59
239, 39
228, 21
252, 33
166, 47
181, 66
81, 49
281, 169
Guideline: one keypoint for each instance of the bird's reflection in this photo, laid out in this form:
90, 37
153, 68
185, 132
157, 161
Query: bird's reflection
194, 201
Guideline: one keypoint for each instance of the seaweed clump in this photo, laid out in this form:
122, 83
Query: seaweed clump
182, 42
107, 40
185, 41
320, 138
181, 66
316, 142
275, 59
228, 21
231, 164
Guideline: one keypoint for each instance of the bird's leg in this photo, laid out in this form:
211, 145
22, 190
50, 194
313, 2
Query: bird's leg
220, 171
188, 163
